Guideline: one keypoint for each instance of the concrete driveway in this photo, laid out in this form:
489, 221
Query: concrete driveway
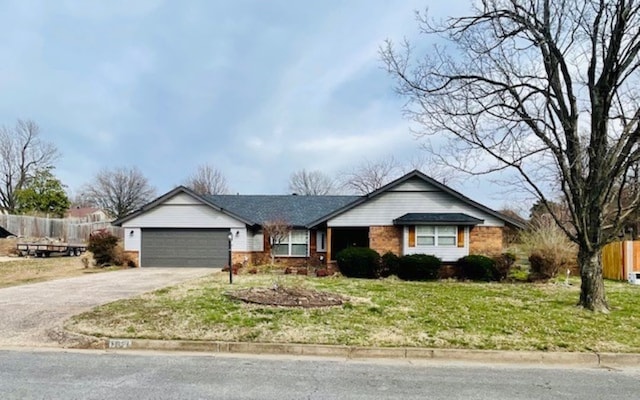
32, 315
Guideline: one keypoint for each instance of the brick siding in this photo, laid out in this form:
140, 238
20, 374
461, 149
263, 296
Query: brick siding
386, 238
486, 240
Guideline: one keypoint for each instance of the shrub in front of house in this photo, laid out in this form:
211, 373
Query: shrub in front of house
358, 262
418, 267
504, 264
103, 244
120, 257
550, 250
476, 267
389, 264
543, 266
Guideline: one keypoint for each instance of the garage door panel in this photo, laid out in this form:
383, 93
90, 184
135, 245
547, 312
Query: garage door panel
184, 247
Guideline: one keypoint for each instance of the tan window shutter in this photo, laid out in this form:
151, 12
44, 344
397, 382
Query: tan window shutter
461, 236
412, 236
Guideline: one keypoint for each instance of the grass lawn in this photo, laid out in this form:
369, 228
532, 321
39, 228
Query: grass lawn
388, 312
29, 270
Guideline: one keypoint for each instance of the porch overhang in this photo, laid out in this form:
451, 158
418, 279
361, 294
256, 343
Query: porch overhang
437, 219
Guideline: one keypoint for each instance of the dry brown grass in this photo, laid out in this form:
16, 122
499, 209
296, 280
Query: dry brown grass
8, 246
20, 271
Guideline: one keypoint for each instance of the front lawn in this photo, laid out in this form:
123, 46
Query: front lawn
387, 312
20, 271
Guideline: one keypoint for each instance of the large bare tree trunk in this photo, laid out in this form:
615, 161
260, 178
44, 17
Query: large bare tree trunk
544, 90
592, 296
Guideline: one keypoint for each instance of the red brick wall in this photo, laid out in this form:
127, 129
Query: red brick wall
386, 238
486, 240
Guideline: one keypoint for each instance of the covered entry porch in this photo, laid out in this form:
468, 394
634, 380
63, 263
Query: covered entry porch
339, 239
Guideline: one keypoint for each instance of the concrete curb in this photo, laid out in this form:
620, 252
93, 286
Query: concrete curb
609, 360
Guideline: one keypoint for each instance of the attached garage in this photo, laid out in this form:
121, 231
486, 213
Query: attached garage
182, 247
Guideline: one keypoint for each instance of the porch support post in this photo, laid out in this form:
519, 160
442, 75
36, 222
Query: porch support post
328, 246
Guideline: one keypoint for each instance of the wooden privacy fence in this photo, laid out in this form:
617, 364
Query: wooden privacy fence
620, 258
68, 229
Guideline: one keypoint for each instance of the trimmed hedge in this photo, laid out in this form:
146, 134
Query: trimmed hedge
359, 262
390, 263
419, 267
478, 268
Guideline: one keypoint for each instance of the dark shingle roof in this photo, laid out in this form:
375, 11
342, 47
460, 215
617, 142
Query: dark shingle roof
437, 218
298, 211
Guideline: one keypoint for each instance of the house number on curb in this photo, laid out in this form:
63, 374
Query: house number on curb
119, 344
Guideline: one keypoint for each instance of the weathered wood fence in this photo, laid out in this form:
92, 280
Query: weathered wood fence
620, 258
68, 229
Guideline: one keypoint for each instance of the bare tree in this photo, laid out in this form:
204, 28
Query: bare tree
513, 92
277, 230
370, 175
119, 191
311, 183
22, 154
207, 180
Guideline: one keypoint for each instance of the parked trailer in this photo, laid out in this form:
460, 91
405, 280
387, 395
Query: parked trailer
47, 249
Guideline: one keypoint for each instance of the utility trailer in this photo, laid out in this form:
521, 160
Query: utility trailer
48, 249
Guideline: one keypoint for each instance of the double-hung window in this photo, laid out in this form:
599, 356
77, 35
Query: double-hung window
428, 235
293, 245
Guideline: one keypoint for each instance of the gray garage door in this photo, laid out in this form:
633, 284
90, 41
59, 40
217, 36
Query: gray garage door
184, 247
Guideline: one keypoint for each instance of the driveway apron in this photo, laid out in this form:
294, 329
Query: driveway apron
29, 313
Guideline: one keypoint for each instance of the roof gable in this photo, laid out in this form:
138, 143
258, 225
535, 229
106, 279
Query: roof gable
432, 185
172, 194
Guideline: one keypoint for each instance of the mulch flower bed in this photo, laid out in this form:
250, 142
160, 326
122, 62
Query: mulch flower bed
288, 297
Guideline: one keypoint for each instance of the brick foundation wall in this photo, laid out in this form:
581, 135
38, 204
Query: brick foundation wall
486, 240
239, 257
264, 257
386, 238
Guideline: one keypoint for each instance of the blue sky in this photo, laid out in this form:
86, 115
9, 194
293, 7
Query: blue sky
259, 89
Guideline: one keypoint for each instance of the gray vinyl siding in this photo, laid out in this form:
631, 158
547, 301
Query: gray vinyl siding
183, 216
183, 211
386, 207
166, 247
415, 185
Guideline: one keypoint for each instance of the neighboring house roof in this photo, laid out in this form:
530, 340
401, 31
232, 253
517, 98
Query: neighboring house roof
296, 210
436, 219
436, 184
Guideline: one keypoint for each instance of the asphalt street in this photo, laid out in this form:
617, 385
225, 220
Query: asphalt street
39, 374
